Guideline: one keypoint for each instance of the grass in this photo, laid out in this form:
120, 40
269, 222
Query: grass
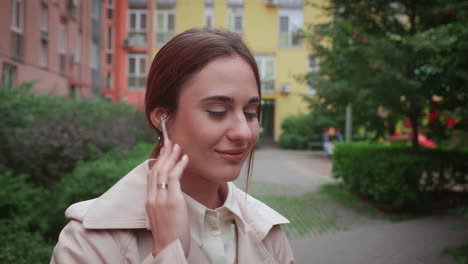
459, 254
304, 213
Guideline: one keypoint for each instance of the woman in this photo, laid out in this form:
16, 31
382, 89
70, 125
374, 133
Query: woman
180, 205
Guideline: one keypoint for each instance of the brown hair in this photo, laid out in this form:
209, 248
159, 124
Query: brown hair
184, 56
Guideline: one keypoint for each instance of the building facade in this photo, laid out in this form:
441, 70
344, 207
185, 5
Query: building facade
105, 47
270, 28
53, 44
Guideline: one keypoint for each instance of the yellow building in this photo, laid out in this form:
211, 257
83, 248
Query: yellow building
270, 29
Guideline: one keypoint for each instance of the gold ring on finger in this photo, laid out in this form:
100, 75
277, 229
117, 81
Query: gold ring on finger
162, 186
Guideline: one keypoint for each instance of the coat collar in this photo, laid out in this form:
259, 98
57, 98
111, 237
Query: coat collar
123, 207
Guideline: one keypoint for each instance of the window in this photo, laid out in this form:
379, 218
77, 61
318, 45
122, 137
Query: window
110, 45
110, 10
62, 47
17, 28
266, 68
137, 27
95, 10
136, 71
43, 54
165, 25
235, 23
311, 68
290, 23
94, 55
209, 17
44, 17
109, 80
44, 36
8, 75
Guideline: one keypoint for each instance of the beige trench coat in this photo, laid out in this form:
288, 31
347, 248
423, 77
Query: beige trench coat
114, 228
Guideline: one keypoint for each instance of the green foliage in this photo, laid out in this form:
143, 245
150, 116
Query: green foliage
45, 136
90, 179
20, 246
395, 54
396, 175
297, 131
459, 254
23, 202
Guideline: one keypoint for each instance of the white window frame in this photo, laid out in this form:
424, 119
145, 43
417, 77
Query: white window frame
109, 80
94, 60
17, 28
62, 47
137, 74
135, 33
62, 38
209, 15
262, 61
110, 7
164, 30
43, 54
44, 17
95, 9
233, 13
295, 23
138, 18
110, 45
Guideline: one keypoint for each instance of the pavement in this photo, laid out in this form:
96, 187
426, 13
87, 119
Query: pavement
366, 238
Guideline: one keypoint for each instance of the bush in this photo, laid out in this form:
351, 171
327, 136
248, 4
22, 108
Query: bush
395, 175
90, 179
23, 203
297, 131
45, 136
20, 246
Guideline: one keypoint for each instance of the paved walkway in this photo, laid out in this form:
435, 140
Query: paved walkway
366, 239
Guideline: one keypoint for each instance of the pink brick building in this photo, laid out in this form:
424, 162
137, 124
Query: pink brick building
54, 43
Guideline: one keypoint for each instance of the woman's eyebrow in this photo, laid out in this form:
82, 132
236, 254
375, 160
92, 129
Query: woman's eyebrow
219, 98
226, 99
254, 100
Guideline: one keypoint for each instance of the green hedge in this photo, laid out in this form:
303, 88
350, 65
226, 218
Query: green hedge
90, 179
31, 216
395, 175
45, 136
297, 131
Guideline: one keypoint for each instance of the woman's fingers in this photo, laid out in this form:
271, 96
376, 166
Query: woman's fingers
176, 174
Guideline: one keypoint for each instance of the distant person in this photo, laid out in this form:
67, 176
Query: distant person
180, 206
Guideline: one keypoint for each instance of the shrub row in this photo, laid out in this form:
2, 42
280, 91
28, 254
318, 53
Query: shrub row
395, 175
31, 216
45, 136
297, 131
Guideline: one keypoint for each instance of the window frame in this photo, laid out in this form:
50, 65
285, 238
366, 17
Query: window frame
233, 13
164, 29
137, 74
262, 60
295, 18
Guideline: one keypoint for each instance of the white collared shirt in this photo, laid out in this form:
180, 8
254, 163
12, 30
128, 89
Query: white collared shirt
214, 230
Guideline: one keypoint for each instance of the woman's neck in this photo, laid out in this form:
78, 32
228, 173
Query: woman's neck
203, 191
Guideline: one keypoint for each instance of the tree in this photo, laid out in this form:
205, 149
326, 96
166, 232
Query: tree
394, 54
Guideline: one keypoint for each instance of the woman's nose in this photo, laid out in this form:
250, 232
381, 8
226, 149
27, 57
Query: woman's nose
240, 129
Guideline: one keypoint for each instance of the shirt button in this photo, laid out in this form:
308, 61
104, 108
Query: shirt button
214, 233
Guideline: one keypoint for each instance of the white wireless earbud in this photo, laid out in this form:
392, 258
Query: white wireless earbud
164, 128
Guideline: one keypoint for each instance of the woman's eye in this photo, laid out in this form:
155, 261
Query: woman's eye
250, 115
216, 113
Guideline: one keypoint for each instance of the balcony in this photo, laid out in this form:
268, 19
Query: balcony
165, 3
135, 39
163, 37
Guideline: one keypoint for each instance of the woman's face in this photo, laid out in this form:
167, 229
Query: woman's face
216, 122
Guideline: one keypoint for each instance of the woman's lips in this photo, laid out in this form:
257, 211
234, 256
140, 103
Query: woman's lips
232, 155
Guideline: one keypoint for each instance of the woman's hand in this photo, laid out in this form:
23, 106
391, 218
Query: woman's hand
166, 207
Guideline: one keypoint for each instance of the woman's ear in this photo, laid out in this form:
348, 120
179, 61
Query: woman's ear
156, 115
